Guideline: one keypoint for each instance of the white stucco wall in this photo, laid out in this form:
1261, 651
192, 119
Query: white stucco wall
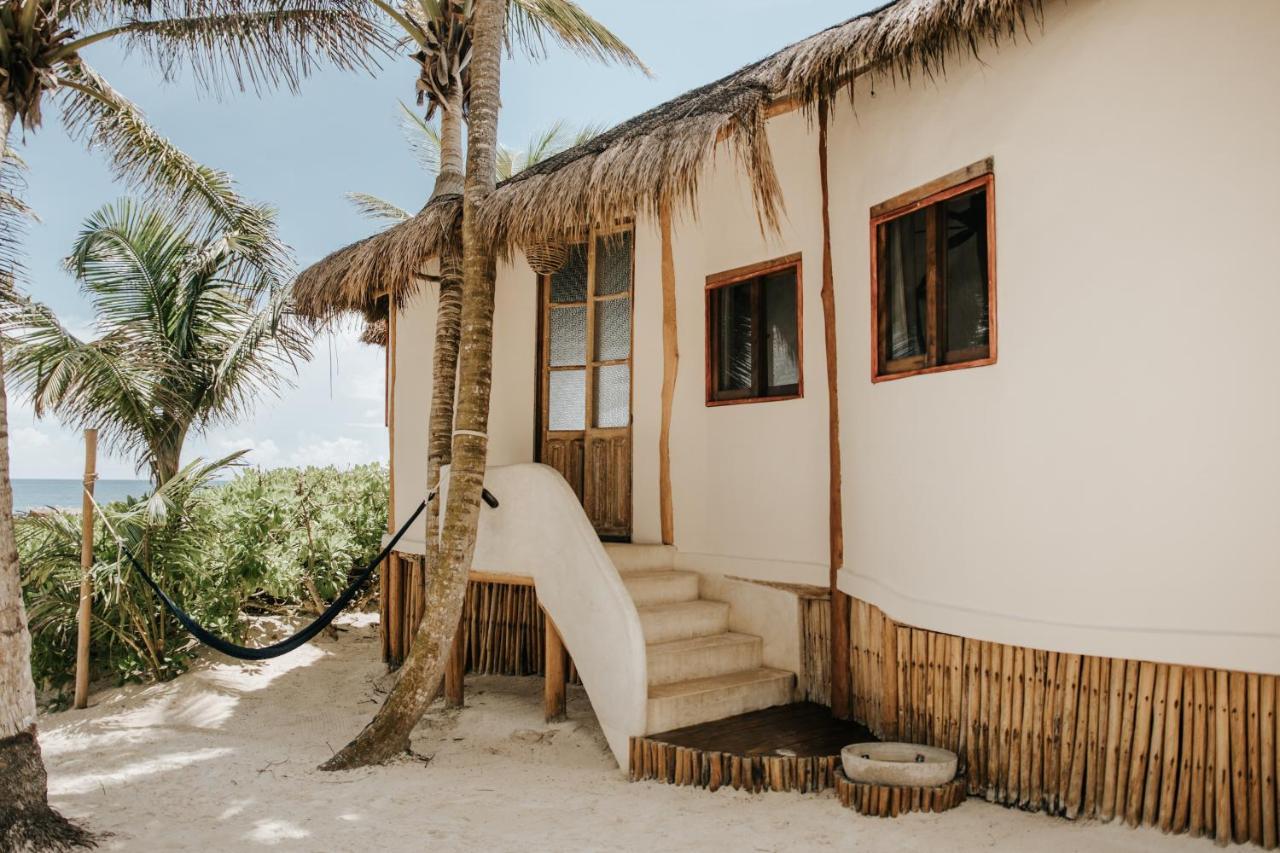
511, 405
1112, 485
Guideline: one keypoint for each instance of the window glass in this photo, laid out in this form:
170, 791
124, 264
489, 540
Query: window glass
566, 409
782, 365
569, 284
965, 227
905, 285
736, 326
568, 336
613, 395
613, 328
613, 264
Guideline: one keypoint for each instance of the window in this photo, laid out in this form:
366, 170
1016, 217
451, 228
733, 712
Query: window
754, 350
933, 276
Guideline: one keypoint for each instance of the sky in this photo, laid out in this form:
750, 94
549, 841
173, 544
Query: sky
341, 133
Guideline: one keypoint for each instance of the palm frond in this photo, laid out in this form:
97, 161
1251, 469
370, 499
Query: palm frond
532, 22
260, 45
423, 138
142, 158
15, 214
377, 209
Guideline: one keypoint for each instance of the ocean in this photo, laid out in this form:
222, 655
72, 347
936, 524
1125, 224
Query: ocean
34, 494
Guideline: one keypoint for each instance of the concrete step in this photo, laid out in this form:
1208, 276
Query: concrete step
628, 557
701, 700
660, 586
663, 623
703, 657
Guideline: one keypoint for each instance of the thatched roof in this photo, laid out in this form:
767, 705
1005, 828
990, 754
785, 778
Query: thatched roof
656, 158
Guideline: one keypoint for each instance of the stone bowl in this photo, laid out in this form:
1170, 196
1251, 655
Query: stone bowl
899, 764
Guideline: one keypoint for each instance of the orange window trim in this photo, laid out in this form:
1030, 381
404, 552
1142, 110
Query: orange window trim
733, 276
987, 182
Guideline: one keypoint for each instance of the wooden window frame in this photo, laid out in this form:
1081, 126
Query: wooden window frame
980, 175
591, 364
715, 397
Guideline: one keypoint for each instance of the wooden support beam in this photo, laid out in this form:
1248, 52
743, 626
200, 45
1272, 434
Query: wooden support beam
84, 617
454, 693
841, 675
670, 365
554, 686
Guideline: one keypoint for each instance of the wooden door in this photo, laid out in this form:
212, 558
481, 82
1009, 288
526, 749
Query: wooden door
584, 405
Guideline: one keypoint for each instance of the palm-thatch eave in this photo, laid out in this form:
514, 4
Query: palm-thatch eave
655, 159
390, 262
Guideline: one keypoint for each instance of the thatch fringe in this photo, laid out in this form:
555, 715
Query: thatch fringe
658, 157
353, 278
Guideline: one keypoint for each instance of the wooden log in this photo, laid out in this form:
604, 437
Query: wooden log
955, 663
1053, 762
1005, 728
84, 614
1115, 713
991, 718
1199, 757
1039, 718
1155, 758
1097, 690
889, 713
1253, 737
1167, 800
1073, 796
1239, 759
972, 705
1013, 791
1030, 676
1141, 743
1222, 759
1125, 757
554, 698
1267, 746
1094, 772
1182, 811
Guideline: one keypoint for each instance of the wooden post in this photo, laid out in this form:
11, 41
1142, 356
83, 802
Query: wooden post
670, 367
553, 688
454, 693
85, 616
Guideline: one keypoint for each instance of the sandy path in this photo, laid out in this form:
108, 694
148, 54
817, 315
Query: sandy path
223, 758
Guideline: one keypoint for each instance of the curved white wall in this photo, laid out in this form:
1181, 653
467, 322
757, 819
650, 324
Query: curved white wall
1112, 485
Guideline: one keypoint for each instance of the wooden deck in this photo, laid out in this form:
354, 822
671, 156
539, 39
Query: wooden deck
788, 748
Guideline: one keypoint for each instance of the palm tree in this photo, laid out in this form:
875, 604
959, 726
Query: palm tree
192, 328
225, 44
424, 142
455, 78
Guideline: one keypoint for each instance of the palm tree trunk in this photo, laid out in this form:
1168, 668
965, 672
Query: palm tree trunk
451, 176
387, 735
448, 319
26, 821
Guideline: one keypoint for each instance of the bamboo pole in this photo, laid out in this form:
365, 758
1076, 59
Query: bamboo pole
84, 617
1222, 760
1267, 715
454, 691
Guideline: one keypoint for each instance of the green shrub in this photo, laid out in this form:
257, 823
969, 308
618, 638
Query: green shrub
265, 539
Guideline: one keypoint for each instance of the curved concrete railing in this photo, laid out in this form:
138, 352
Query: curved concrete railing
539, 529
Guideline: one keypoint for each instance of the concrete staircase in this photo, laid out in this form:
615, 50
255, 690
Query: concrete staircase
698, 669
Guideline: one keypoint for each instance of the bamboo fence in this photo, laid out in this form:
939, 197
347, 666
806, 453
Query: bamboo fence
502, 621
1186, 749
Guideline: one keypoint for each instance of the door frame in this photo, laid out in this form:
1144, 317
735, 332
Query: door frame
591, 365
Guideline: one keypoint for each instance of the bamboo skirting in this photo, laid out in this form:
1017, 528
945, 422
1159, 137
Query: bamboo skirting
682, 765
891, 801
502, 622
815, 649
1186, 749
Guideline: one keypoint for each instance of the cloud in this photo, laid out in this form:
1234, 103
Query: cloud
27, 440
341, 452
263, 452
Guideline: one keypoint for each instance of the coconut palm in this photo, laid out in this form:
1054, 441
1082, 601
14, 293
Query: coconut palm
460, 56
424, 142
192, 328
224, 45
387, 735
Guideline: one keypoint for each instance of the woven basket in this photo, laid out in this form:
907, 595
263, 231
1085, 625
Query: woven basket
546, 258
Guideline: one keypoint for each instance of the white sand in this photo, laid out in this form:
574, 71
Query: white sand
224, 758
